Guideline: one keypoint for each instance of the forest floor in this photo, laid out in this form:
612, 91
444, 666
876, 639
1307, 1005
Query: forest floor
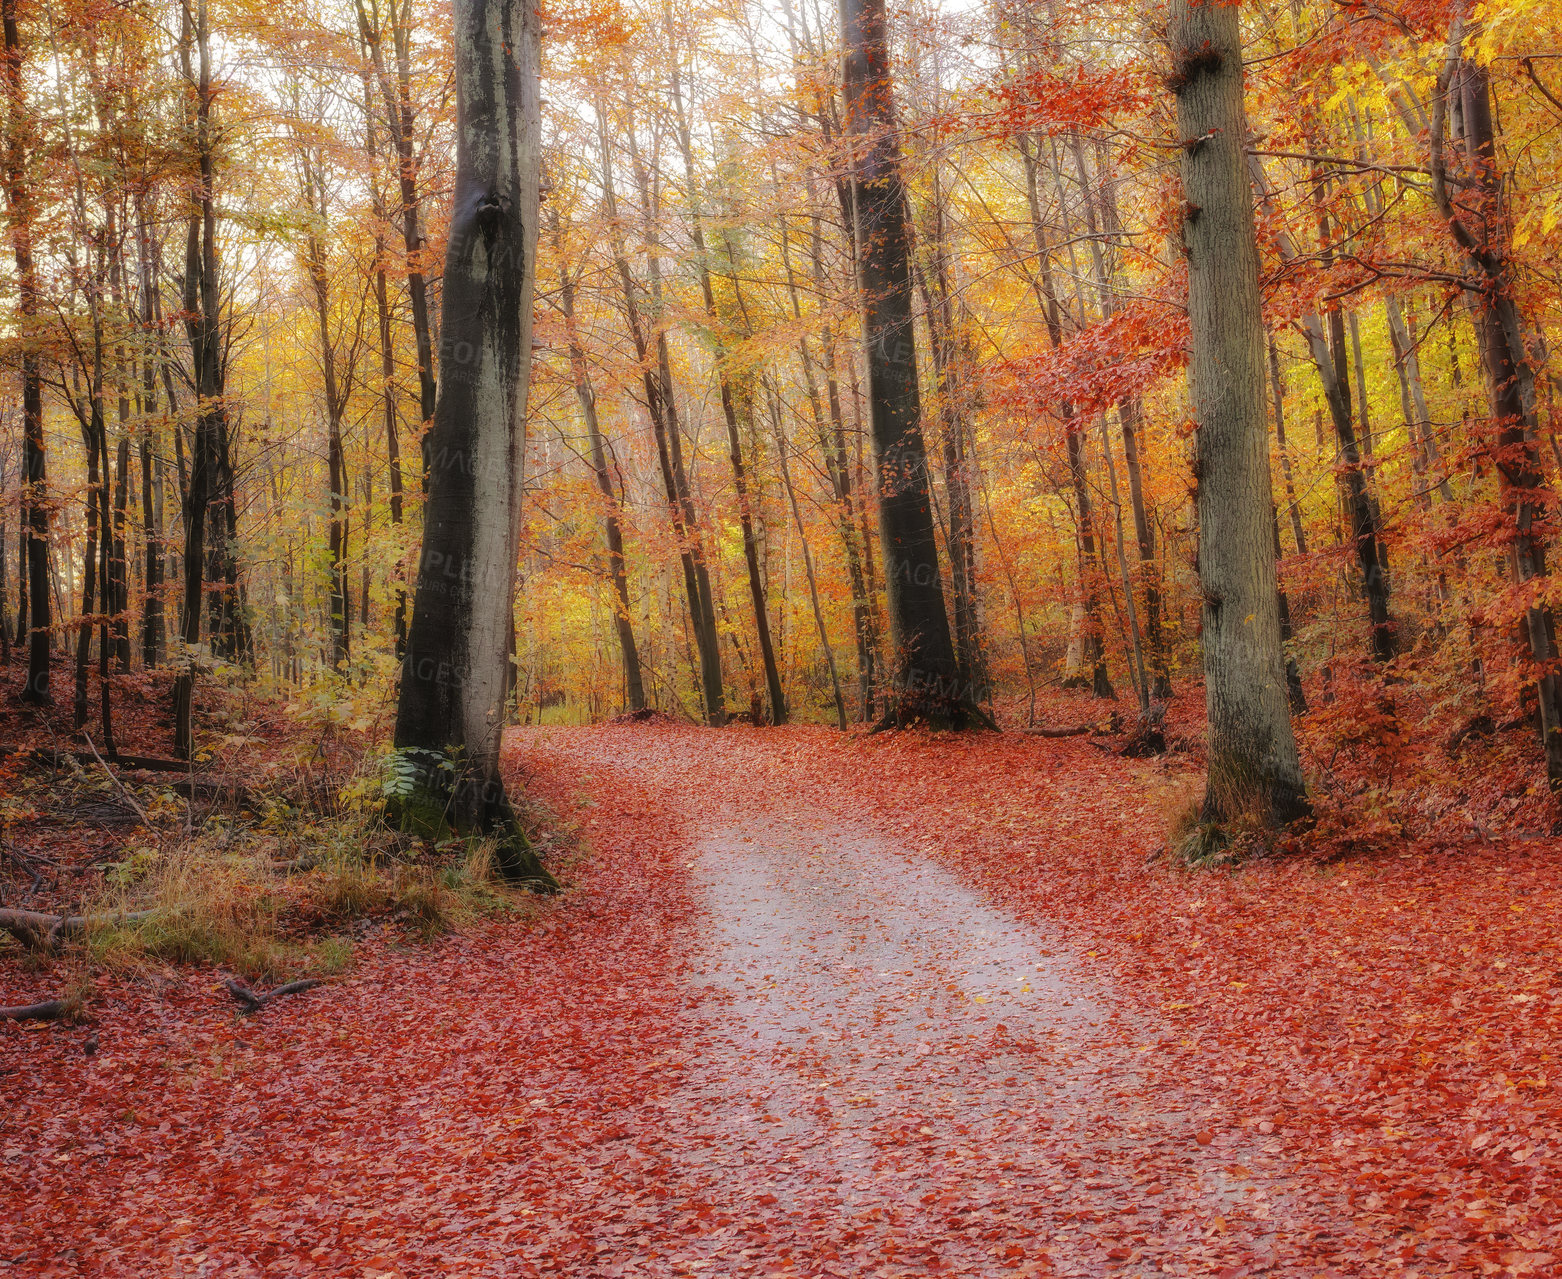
854, 1006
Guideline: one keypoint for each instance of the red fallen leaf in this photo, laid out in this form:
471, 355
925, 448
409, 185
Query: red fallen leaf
404, 1117
766, 1199
1204, 1137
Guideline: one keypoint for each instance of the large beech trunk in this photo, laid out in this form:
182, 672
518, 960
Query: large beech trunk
455, 676
1253, 763
924, 677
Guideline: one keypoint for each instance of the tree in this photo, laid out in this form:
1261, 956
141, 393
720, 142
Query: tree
1481, 227
634, 684
925, 680
35, 528
451, 711
1253, 762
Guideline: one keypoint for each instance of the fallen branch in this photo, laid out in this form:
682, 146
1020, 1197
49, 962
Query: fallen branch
123, 789
49, 1010
1076, 730
39, 931
253, 1000
57, 759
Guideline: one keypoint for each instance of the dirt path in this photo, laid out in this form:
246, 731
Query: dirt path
765, 1033
890, 1076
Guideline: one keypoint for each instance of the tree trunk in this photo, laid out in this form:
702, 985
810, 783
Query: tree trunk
1277, 385
756, 581
1329, 358
1130, 409
335, 406
782, 449
152, 639
397, 96
657, 380
1418, 419
1086, 644
617, 571
451, 711
1480, 225
387, 373
209, 510
951, 363
925, 678
35, 611
1253, 761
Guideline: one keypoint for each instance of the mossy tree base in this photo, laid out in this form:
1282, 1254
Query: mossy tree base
434, 799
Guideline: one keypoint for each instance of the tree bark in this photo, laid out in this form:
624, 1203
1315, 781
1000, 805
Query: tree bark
1329, 358
20, 210
925, 680
756, 581
399, 113
451, 711
951, 366
656, 376
336, 391
1253, 762
612, 517
1480, 225
204, 527
782, 449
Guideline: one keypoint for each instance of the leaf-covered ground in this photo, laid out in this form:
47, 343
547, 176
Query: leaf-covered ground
825, 1006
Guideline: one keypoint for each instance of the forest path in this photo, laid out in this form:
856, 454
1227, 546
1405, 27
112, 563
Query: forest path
887, 1074
810, 1006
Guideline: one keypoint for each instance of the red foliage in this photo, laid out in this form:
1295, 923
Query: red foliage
1299, 1068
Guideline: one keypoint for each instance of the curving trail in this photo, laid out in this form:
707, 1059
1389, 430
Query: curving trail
812, 1007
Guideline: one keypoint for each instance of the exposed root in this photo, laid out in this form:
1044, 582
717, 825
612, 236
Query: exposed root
253, 1001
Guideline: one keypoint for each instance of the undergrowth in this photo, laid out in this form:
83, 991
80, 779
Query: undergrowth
282, 882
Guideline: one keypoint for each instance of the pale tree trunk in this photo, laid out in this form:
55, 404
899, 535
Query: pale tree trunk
1277, 385
1253, 761
1130, 409
451, 712
387, 365
151, 508
1085, 638
782, 449
336, 390
397, 95
1418, 419
756, 581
